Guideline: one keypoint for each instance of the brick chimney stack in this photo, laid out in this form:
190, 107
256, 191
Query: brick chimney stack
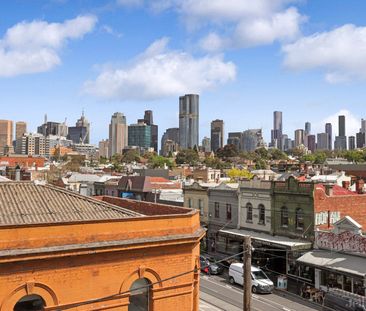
359, 186
329, 189
345, 184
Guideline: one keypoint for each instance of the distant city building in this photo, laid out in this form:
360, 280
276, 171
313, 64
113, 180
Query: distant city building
307, 128
341, 140
80, 133
217, 135
351, 143
188, 121
118, 134
169, 147
171, 135
322, 141
276, 133
59, 141
328, 130
20, 129
52, 128
251, 140
235, 138
311, 143
103, 148
148, 119
206, 144
361, 140
340, 143
299, 137
285, 142
6, 135
363, 126
139, 135
85, 149
33, 144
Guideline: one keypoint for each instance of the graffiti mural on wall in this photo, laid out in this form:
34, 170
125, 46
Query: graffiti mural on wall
346, 241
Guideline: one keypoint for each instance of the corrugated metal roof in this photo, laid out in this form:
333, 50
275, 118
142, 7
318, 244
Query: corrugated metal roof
27, 203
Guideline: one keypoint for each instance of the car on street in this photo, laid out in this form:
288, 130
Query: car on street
209, 267
260, 281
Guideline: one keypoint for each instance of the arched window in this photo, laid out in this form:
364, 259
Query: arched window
284, 216
299, 219
140, 295
262, 214
249, 212
30, 303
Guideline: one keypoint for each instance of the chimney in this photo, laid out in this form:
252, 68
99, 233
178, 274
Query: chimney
329, 189
345, 184
359, 186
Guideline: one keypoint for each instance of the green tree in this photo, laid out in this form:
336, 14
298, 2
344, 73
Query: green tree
157, 161
228, 151
131, 156
187, 156
216, 163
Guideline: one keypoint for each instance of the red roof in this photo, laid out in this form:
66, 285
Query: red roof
337, 190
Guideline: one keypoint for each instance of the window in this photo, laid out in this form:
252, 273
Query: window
217, 210
30, 303
284, 216
200, 206
262, 214
228, 211
299, 219
190, 203
140, 298
249, 212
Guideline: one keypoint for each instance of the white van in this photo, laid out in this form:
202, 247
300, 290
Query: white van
260, 281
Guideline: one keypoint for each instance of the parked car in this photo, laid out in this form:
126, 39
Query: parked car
209, 267
260, 281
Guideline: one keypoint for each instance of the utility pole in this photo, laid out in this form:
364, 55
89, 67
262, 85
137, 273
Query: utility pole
247, 276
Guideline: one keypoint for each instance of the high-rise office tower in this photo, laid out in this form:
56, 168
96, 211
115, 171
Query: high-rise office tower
307, 128
217, 135
169, 141
118, 133
206, 144
323, 143
341, 140
361, 140
363, 126
188, 121
299, 137
139, 135
33, 144
351, 142
6, 134
311, 144
80, 133
20, 129
235, 138
251, 140
276, 133
148, 119
104, 148
341, 126
328, 130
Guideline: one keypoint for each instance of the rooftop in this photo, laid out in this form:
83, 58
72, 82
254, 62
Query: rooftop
28, 203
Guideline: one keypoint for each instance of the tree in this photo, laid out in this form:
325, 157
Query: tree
216, 163
187, 156
260, 164
131, 156
276, 154
156, 161
228, 151
262, 153
236, 174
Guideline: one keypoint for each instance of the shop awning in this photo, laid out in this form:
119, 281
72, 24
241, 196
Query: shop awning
267, 239
338, 262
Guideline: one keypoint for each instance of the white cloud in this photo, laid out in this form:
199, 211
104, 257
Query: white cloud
353, 123
30, 47
160, 72
341, 53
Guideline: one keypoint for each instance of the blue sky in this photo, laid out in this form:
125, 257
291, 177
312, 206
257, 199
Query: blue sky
245, 58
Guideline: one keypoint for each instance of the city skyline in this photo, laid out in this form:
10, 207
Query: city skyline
244, 83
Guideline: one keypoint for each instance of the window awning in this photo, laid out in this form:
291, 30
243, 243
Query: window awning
267, 239
338, 262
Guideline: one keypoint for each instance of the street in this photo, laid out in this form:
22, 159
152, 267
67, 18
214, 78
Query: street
218, 293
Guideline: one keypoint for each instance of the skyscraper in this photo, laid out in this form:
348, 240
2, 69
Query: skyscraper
206, 144
217, 134
351, 142
363, 126
251, 140
311, 144
6, 134
148, 119
188, 121
169, 141
276, 133
341, 140
323, 143
20, 129
84, 123
299, 137
307, 128
341, 126
118, 133
328, 130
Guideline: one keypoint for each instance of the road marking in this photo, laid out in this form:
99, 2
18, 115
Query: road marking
286, 309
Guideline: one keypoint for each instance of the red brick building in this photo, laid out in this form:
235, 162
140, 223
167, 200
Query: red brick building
60, 250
